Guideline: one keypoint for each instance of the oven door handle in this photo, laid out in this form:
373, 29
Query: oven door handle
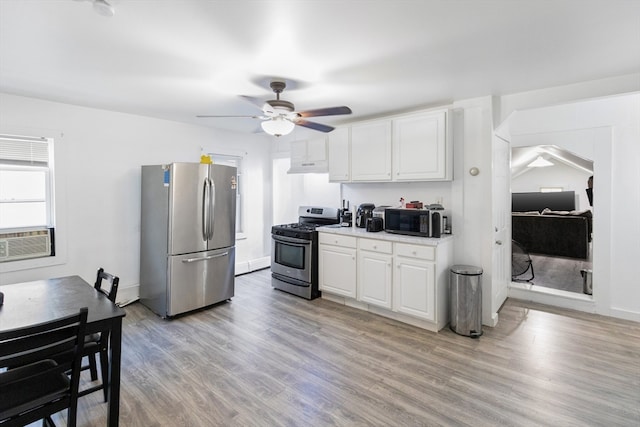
292, 240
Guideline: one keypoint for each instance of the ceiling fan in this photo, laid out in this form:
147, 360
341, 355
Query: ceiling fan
279, 116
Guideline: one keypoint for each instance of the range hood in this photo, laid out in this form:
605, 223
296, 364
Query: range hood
309, 167
309, 156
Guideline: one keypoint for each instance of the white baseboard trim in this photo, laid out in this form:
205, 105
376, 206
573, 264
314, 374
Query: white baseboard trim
553, 297
252, 265
129, 294
620, 313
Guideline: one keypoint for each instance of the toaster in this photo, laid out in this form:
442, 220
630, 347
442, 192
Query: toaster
374, 224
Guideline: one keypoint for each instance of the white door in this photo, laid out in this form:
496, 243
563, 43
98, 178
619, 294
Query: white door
501, 269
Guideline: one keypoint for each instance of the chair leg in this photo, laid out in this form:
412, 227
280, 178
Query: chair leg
93, 367
104, 370
48, 422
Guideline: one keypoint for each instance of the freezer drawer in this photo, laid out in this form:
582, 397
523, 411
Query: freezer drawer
200, 279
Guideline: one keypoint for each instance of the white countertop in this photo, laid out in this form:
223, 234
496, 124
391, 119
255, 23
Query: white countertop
383, 235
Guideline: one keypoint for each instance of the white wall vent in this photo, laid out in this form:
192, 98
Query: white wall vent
23, 245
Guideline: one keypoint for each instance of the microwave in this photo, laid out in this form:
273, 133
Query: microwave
413, 222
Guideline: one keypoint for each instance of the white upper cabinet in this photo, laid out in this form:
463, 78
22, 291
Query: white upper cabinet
309, 155
408, 147
371, 151
339, 149
420, 148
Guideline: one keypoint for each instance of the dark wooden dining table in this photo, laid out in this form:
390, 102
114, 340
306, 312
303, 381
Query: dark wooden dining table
30, 303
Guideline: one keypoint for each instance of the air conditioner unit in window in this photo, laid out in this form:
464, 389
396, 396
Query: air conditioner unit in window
23, 245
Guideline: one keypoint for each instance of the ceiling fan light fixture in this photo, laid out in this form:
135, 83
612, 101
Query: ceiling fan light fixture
103, 8
277, 126
539, 162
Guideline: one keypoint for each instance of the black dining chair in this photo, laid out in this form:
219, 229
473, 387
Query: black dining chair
98, 343
35, 362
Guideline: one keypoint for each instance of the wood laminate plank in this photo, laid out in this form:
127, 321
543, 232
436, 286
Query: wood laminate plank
268, 358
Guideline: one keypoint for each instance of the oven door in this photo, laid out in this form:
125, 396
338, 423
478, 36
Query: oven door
291, 257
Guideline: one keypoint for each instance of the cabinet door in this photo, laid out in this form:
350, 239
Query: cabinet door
309, 155
374, 278
298, 152
337, 270
420, 147
414, 287
317, 150
339, 155
371, 151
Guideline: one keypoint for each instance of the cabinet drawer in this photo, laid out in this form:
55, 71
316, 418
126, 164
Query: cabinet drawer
416, 251
376, 246
336, 239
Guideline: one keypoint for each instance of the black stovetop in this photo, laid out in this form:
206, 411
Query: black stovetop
310, 218
298, 230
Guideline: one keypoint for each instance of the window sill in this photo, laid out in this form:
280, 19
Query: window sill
28, 264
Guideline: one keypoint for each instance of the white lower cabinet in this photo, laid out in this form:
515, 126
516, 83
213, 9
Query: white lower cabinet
374, 267
414, 287
337, 264
407, 282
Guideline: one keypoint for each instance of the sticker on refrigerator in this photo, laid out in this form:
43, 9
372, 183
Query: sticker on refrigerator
165, 181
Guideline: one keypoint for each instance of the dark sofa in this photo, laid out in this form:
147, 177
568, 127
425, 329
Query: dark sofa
565, 234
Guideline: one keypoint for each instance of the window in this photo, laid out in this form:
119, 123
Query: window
26, 197
235, 161
550, 189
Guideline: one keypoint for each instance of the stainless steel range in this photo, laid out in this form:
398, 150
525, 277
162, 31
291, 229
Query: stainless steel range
294, 251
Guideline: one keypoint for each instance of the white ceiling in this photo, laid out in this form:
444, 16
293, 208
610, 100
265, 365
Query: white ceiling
175, 59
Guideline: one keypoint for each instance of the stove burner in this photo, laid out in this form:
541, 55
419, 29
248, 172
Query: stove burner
300, 226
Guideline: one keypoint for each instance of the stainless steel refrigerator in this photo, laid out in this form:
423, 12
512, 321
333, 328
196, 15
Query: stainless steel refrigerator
187, 245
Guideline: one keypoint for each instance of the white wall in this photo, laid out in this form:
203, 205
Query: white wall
97, 157
614, 124
558, 175
389, 193
291, 191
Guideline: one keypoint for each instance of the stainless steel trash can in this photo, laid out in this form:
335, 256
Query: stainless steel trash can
465, 300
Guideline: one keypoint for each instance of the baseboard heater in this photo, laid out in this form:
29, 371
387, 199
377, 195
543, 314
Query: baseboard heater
26, 244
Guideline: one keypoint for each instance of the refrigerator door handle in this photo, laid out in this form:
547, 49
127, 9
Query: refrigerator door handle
205, 258
212, 207
205, 210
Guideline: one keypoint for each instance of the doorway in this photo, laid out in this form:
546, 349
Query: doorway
554, 124
552, 218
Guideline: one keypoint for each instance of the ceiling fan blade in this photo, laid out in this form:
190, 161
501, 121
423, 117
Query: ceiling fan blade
255, 101
313, 125
332, 111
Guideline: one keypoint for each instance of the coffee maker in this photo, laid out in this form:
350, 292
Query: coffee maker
345, 215
364, 212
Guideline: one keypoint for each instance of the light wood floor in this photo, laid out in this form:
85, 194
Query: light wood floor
271, 359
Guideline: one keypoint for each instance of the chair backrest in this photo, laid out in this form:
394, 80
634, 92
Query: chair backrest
32, 356
112, 280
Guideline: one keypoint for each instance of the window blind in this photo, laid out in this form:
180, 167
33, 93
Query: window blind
24, 151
